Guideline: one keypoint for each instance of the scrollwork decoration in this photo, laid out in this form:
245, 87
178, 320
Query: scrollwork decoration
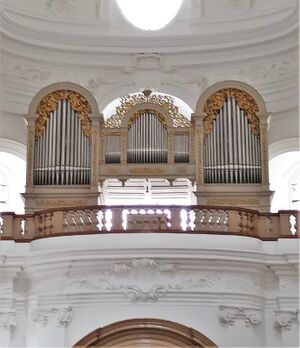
49, 103
129, 101
245, 101
154, 112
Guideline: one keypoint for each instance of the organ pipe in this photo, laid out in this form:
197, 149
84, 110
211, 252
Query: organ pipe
231, 149
62, 153
181, 148
147, 140
113, 149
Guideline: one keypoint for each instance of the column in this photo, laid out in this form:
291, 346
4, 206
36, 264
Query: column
97, 120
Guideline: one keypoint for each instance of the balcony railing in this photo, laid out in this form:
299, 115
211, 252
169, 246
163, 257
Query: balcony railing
156, 219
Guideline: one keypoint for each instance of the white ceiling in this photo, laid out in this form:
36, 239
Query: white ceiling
90, 43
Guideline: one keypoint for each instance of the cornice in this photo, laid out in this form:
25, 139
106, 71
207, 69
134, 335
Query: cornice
200, 41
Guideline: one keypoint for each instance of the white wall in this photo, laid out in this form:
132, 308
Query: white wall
238, 291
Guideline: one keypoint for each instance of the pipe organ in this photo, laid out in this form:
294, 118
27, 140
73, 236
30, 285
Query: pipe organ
232, 151
62, 153
222, 150
147, 139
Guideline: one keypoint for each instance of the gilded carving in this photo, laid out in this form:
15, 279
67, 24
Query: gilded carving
154, 112
49, 103
129, 101
216, 101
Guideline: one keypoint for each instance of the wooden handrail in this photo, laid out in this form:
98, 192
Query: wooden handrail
146, 218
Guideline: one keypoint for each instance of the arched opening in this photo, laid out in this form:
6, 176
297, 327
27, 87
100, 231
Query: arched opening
145, 333
284, 181
12, 182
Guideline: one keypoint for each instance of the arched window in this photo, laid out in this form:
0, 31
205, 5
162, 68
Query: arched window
12, 182
3, 193
284, 181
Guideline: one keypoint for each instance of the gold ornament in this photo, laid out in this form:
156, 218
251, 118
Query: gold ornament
245, 101
154, 112
129, 101
49, 104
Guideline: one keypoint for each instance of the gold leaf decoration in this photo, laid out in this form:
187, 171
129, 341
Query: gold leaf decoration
129, 101
49, 104
245, 101
154, 112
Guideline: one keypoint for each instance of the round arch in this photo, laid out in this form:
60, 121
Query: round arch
145, 333
63, 85
13, 147
283, 146
230, 84
135, 109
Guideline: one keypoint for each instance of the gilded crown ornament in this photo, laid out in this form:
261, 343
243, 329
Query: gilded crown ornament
165, 101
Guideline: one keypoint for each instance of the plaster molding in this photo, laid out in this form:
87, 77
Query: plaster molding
282, 146
250, 316
147, 279
63, 8
7, 320
278, 17
13, 147
284, 319
62, 315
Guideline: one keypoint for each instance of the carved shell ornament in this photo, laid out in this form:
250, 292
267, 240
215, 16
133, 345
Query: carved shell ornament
49, 104
245, 101
165, 101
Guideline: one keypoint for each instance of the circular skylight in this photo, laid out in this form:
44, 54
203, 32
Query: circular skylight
149, 14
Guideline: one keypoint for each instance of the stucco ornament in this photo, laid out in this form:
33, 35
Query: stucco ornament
284, 319
138, 280
239, 5
7, 320
62, 315
61, 7
249, 316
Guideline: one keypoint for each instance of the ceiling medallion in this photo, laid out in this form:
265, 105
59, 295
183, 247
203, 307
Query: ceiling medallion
147, 97
149, 15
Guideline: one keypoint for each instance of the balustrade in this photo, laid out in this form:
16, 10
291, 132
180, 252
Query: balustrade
155, 219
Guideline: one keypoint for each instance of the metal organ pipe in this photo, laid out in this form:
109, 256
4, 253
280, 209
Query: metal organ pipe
231, 149
147, 140
62, 152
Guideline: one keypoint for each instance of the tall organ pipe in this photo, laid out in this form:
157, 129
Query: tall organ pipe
148, 137
231, 149
62, 152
